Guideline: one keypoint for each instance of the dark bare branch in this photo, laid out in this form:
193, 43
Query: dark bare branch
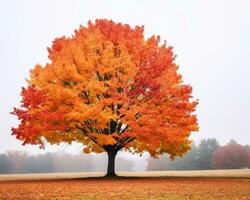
85, 132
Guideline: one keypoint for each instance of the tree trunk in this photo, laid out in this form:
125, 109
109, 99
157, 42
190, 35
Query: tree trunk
111, 163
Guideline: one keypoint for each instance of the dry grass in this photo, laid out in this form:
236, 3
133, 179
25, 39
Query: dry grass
243, 173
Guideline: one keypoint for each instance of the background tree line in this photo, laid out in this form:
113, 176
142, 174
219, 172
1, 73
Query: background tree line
20, 162
208, 154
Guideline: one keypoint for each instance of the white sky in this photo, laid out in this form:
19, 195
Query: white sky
211, 39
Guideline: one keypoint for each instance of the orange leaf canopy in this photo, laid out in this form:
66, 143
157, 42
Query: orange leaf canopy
108, 85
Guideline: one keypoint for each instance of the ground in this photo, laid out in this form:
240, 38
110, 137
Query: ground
161, 188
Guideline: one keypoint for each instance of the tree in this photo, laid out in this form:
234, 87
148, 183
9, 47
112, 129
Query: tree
4, 164
38, 163
205, 152
232, 141
17, 161
199, 157
231, 156
110, 89
64, 162
247, 146
187, 162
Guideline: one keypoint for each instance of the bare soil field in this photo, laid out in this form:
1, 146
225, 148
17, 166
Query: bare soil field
68, 186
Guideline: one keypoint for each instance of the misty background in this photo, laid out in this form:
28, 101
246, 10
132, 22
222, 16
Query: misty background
211, 40
206, 155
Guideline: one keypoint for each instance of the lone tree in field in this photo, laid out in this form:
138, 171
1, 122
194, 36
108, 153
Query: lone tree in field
108, 88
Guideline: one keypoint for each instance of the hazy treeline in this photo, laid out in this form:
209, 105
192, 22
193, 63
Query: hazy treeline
208, 154
20, 162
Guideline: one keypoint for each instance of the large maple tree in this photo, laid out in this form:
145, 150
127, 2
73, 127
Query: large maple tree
108, 88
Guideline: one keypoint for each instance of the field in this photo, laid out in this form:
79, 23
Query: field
63, 186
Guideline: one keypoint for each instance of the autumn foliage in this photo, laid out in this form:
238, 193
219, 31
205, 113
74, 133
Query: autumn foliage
127, 189
108, 88
231, 156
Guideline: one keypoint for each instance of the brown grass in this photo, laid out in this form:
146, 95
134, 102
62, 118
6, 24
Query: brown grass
243, 173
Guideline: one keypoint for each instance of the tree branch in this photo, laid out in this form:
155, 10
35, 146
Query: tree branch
85, 132
123, 142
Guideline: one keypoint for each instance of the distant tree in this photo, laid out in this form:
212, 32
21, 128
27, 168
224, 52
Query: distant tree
31, 165
187, 162
45, 162
4, 164
248, 147
17, 161
232, 141
21, 162
199, 157
205, 152
64, 162
159, 164
38, 164
231, 156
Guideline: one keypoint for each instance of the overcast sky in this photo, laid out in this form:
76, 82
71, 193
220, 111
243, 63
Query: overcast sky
211, 39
